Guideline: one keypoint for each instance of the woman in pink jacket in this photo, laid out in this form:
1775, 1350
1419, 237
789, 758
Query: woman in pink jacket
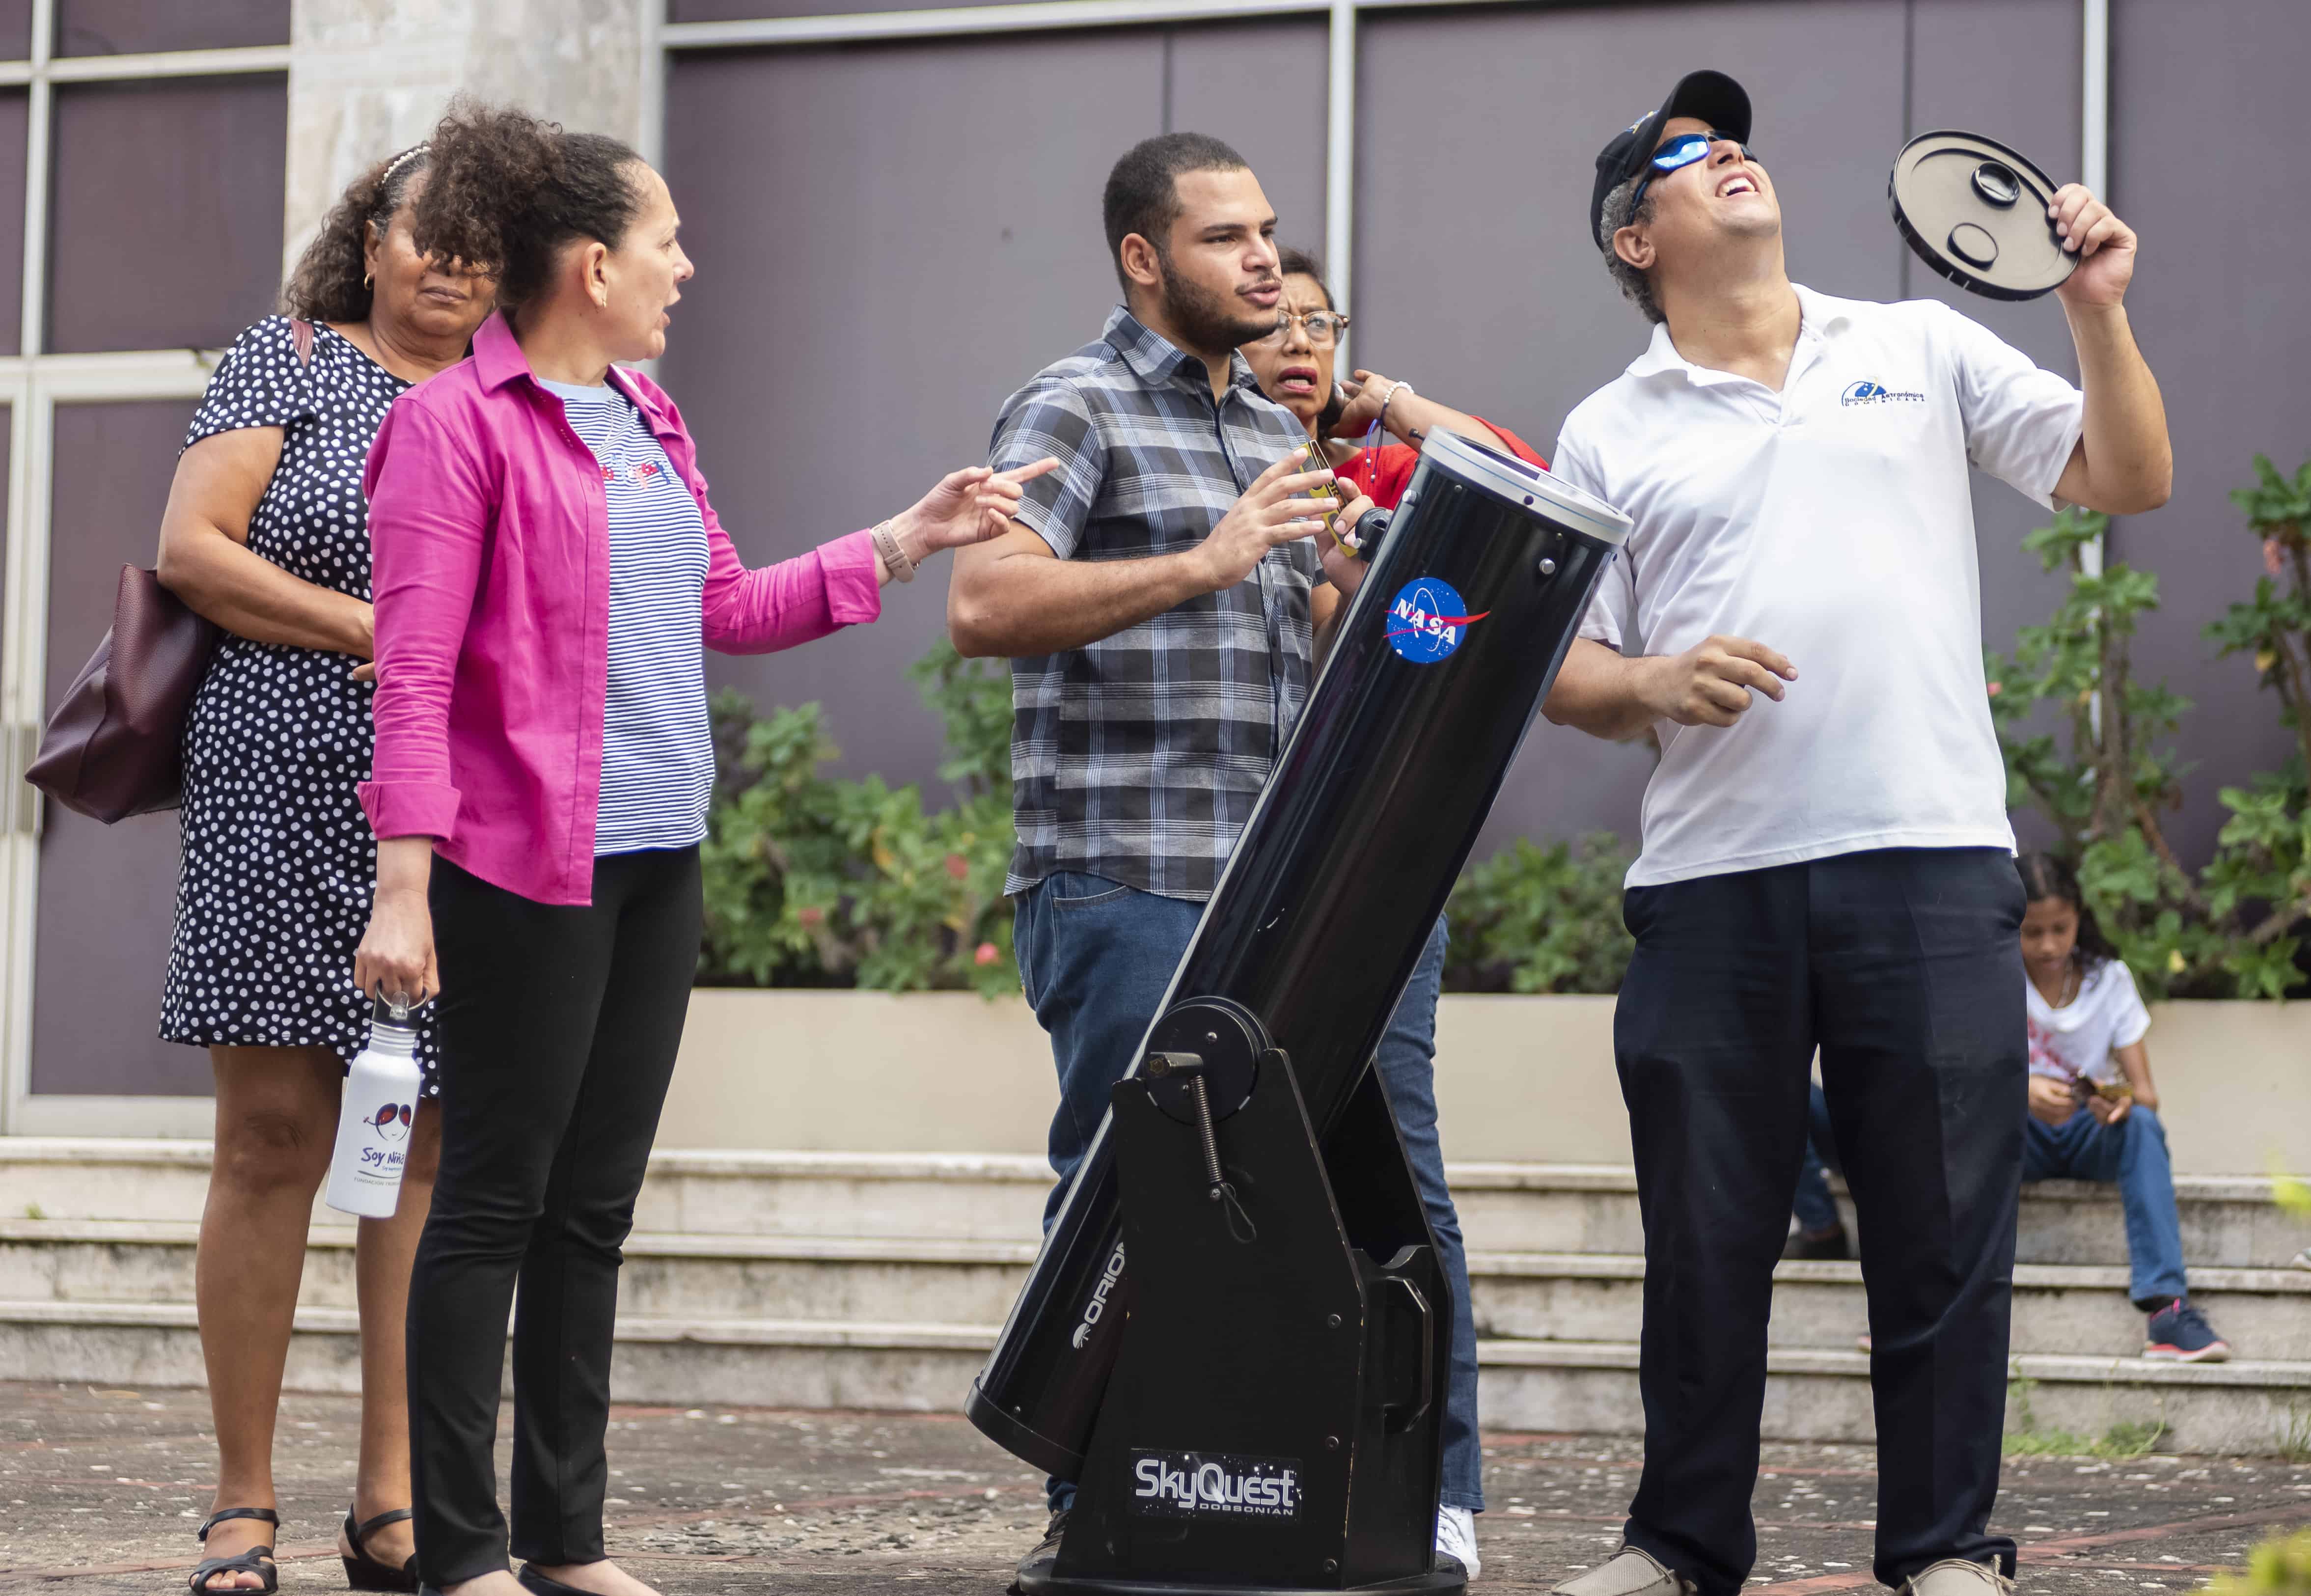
547, 567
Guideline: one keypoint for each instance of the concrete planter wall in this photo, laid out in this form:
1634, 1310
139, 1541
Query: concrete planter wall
1519, 1079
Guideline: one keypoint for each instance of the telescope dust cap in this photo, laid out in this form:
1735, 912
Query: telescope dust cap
1975, 212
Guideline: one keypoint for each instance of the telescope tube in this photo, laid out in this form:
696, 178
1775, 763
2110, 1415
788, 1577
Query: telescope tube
1329, 897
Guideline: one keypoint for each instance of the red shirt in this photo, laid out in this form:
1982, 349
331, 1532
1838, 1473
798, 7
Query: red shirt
1382, 474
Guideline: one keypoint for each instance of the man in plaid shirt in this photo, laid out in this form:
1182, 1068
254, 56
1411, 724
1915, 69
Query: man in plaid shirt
1164, 603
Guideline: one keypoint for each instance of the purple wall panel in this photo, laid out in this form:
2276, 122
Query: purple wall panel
1476, 278
166, 226
872, 284
13, 110
2222, 321
1261, 87
2024, 92
108, 893
15, 29
131, 26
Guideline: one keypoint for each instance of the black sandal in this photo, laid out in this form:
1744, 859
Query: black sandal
365, 1573
256, 1560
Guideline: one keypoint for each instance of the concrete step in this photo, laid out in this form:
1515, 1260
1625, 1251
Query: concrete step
744, 1362
988, 1197
2255, 1407
2059, 1308
867, 1278
2228, 1222
1812, 1394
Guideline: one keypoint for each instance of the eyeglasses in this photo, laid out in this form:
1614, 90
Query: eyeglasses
1682, 151
1323, 327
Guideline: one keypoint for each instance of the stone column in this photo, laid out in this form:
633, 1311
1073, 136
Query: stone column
368, 77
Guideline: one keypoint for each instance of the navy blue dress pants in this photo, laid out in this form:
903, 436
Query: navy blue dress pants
1903, 966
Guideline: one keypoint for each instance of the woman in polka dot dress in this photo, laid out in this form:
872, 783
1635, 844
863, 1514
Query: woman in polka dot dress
266, 534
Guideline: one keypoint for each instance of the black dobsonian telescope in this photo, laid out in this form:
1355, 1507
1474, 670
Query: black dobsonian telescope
1254, 1404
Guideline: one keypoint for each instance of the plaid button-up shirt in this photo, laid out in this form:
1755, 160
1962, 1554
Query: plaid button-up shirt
1138, 757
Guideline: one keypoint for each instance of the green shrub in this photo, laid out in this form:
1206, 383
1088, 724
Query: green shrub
2108, 774
815, 881
1541, 919
2278, 1568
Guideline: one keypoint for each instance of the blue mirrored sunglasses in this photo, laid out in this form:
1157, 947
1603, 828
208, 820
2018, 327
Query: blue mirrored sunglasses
1683, 150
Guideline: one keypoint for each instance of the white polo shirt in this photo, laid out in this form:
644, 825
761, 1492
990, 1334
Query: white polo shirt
1833, 521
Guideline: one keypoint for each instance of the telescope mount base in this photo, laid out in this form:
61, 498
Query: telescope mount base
1272, 1424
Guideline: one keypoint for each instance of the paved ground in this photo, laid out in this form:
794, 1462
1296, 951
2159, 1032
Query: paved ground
99, 1489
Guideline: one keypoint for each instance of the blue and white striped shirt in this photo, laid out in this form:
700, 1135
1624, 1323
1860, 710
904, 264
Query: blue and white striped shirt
658, 746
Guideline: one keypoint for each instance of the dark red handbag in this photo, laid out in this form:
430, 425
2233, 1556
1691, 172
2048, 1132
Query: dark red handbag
116, 745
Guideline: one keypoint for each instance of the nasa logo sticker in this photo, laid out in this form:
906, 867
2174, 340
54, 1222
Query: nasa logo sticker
1429, 620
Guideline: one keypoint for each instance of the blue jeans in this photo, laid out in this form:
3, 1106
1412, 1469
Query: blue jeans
1816, 1208
1095, 955
2133, 1154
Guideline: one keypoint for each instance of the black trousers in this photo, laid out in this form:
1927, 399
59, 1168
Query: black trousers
1903, 966
559, 1029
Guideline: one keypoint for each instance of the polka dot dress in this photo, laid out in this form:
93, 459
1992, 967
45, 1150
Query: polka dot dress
279, 861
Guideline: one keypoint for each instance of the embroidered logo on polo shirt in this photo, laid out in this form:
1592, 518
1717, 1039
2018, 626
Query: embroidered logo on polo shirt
1866, 392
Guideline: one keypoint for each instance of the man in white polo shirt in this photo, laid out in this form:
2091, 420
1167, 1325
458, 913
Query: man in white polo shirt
1827, 861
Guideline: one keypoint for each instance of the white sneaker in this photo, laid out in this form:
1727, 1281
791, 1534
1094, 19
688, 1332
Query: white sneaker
1456, 1537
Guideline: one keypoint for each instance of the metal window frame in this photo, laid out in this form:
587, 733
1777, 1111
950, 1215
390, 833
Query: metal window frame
32, 384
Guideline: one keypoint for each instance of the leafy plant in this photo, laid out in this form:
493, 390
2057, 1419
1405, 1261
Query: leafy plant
2265, 858
2124, 1440
2104, 775
2293, 1196
815, 881
2278, 1568
1541, 919
973, 698
2104, 772
2107, 773
2295, 1434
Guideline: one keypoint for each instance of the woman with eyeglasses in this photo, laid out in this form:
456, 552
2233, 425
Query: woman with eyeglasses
1369, 426
266, 534
1295, 365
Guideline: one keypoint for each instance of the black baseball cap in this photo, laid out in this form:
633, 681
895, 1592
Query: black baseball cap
1710, 97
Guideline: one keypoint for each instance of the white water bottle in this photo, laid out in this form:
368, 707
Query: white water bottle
380, 1104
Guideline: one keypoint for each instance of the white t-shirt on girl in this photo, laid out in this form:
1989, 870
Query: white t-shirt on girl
2081, 1037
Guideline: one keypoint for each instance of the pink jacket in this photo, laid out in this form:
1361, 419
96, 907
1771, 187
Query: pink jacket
490, 568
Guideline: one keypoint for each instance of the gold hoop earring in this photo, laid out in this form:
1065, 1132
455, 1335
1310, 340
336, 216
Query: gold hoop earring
365, 278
